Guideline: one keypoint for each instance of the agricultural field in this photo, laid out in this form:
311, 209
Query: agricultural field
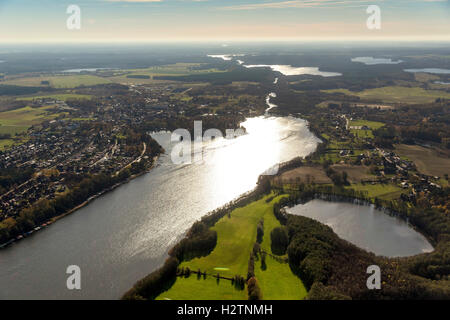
382, 191
354, 173
178, 69
428, 160
62, 96
306, 174
19, 120
236, 235
396, 94
59, 82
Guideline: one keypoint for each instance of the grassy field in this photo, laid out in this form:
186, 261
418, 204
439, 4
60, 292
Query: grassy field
277, 282
62, 96
364, 133
177, 69
69, 81
382, 191
396, 94
193, 288
355, 173
236, 236
305, 174
429, 161
19, 120
371, 124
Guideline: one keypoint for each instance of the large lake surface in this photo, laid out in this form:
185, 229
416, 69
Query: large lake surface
125, 234
373, 61
430, 70
366, 227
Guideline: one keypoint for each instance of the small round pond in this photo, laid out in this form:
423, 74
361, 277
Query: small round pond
366, 227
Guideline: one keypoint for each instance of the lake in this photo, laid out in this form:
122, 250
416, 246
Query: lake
125, 234
366, 227
373, 61
289, 70
429, 70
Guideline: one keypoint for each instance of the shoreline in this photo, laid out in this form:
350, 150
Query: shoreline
76, 208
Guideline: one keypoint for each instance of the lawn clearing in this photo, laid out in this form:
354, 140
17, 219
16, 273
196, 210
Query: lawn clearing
235, 239
277, 282
236, 236
194, 288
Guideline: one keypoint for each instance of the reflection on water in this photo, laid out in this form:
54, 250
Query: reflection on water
125, 234
366, 227
430, 70
289, 70
373, 61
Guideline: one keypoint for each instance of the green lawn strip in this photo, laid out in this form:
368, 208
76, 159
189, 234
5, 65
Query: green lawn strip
194, 288
277, 282
236, 236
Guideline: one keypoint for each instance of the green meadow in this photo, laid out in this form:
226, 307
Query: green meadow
19, 120
177, 69
236, 235
62, 96
60, 82
396, 94
382, 191
373, 125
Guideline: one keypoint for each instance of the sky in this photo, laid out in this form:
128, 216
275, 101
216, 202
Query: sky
41, 21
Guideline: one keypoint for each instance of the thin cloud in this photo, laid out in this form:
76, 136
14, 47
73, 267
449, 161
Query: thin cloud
297, 4
136, 1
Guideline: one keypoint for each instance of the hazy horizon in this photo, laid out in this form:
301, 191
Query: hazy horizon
143, 21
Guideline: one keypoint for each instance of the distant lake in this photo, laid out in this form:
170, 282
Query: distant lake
430, 70
289, 70
86, 70
441, 82
226, 57
372, 61
366, 227
125, 234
